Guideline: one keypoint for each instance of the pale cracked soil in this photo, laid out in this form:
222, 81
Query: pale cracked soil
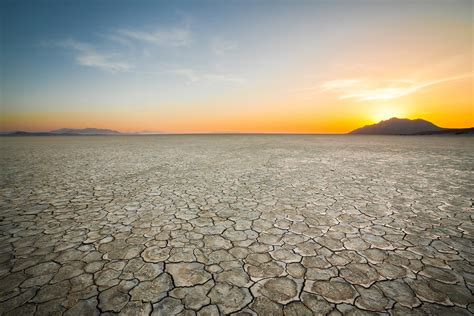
244, 224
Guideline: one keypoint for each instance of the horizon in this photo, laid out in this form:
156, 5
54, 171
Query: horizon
145, 132
308, 67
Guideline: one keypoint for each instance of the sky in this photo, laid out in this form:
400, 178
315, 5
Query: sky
234, 66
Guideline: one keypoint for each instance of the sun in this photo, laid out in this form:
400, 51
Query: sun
385, 112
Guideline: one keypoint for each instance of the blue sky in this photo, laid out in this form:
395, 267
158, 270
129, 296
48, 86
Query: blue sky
169, 58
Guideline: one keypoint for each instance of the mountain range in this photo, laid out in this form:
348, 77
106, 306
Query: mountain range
397, 126
85, 131
393, 126
67, 132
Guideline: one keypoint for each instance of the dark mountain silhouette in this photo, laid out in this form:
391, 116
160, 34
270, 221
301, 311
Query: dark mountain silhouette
396, 126
67, 132
450, 131
85, 131
393, 126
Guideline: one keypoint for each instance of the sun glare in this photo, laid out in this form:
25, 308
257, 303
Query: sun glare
386, 112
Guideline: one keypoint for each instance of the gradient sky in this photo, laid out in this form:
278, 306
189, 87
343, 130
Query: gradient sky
234, 66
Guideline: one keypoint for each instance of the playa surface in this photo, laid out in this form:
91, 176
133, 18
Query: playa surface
222, 224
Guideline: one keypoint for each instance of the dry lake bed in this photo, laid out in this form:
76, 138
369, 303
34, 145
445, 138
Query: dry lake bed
244, 224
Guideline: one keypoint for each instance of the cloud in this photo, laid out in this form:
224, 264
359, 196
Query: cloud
173, 37
88, 56
220, 46
370, 90
194, 76
225, 78
114, 37
188, 73
338, 84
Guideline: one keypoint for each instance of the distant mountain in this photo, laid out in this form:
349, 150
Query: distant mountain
23, 133
396, 126
66, 132
85, 131
450, 131
145, 132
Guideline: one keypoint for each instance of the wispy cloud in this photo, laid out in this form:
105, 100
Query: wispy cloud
224, 78
370, 90
143, 41
220, 46
194, 76
86, 55
339, 84
187, 73
172, 37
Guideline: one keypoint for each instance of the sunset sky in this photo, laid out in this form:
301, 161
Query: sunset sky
234, 66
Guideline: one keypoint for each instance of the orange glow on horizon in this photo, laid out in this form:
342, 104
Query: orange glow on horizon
448, 105
263, 123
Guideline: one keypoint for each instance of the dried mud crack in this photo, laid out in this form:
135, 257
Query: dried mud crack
244, 225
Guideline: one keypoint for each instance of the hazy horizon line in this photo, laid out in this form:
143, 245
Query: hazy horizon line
147, 132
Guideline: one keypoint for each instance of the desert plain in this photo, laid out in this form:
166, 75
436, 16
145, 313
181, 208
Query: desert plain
237, 224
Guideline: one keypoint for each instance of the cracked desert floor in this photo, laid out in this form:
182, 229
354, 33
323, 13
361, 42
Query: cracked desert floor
244, 224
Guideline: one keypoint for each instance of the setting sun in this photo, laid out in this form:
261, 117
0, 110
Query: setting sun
382, 113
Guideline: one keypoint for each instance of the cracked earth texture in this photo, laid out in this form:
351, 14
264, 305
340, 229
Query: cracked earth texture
244, 224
